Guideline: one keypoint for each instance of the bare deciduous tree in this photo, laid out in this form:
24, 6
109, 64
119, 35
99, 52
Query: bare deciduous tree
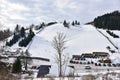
26, 61
59, 45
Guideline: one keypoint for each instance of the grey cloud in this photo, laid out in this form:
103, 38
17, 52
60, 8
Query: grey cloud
48, 10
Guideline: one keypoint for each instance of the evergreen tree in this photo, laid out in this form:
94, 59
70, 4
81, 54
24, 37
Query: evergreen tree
73, 23
42, 25
30, 31
24, 42
17, 29
66, 24
17, 66
78, 23
32, 25
22, 32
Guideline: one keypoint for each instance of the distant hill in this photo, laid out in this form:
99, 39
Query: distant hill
110, 21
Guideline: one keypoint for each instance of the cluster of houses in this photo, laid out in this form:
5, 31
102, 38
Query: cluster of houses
15, 52
101, 56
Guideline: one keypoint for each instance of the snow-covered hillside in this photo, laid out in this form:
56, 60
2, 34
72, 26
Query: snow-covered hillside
80, 39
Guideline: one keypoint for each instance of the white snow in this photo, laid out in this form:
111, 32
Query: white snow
66, 70
84, 39
115, 57
80, 39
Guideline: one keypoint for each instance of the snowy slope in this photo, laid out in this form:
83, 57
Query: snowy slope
80, 39
83, 39
116, 41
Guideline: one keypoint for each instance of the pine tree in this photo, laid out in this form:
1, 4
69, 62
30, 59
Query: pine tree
17, 28
78, 23
30, 31
42, 25
22, 32
66, 24
17, 66
73, 23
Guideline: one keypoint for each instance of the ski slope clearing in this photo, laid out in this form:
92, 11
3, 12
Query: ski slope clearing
80, 39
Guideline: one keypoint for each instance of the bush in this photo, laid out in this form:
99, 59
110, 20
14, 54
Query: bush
99, 64
114, 65
109, 65
92, 62
104, 64
88, 62
71, 61
80, 62
96, 64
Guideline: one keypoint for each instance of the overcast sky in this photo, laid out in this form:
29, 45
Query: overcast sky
24, 12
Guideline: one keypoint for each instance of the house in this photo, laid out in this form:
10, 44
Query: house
76, 57
100, 54
43, 70
87, 55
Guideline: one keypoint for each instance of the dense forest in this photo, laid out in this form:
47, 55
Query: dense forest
110, 21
